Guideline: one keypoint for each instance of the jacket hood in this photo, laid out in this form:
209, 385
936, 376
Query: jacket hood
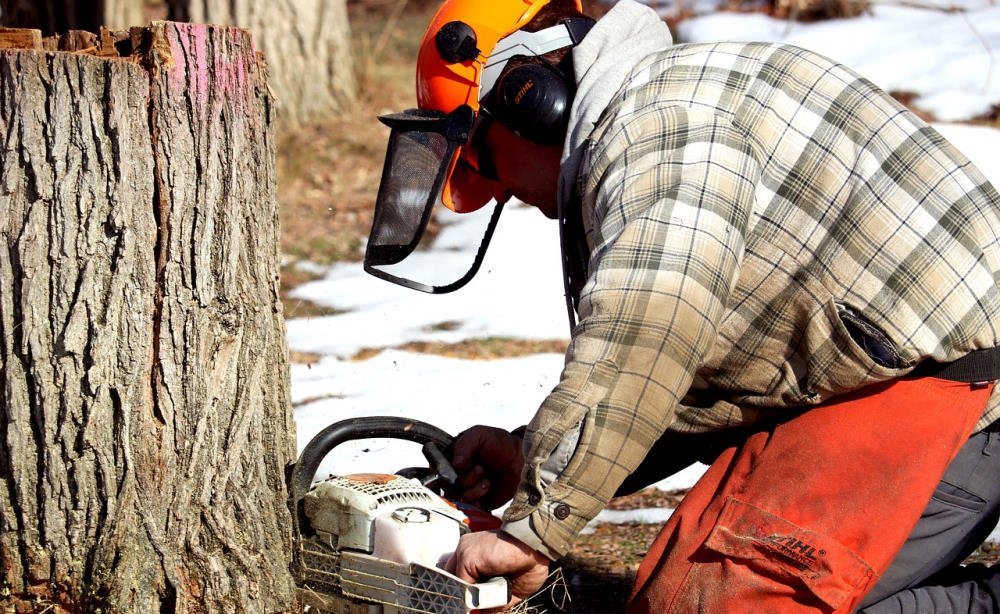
602, 61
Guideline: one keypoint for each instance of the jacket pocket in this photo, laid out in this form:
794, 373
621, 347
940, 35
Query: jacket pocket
870, 339
776, 548
956, 496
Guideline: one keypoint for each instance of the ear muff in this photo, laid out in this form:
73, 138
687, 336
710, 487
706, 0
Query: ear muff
532, 100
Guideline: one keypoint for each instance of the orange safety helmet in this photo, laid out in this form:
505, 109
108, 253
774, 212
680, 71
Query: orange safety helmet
432, 151
444, 84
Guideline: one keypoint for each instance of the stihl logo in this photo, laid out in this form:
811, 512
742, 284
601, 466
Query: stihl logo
524, 90
794, 545
801, 553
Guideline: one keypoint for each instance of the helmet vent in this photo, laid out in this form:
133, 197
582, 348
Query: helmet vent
456, 42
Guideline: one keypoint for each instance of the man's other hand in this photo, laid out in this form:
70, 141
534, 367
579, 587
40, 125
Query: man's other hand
487, 554
488, 461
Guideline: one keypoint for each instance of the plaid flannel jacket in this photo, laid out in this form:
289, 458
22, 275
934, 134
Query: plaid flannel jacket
767, 229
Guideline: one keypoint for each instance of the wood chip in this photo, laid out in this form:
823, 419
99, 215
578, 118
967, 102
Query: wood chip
20, 38
78, 41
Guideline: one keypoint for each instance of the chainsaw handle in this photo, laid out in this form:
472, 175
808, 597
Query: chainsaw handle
391, 427
439, 462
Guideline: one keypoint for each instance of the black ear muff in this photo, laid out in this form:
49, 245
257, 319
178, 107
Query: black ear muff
532, 100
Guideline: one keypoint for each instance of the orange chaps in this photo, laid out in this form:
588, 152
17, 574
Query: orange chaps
805, 518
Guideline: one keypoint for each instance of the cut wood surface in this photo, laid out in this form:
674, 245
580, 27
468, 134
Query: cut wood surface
145, 417
20, 38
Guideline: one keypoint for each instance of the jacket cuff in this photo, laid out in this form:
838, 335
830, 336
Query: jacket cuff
522, 530
549, 523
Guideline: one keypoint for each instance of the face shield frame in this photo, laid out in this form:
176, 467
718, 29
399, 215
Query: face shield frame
407, 196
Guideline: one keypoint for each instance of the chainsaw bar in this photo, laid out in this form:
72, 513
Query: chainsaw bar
406, 587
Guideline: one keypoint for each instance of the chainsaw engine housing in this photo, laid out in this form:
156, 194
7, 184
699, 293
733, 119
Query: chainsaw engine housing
382, 540
387, 516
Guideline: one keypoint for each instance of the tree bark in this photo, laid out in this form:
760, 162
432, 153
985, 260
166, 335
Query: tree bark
307, 44
145, 418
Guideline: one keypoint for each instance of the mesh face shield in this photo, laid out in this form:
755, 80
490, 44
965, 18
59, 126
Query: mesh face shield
421, 156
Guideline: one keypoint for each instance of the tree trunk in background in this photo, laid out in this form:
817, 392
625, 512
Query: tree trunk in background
124, 13
307, 44
145, 418
52, 16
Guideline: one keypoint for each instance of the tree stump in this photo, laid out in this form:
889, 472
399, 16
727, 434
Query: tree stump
145, 415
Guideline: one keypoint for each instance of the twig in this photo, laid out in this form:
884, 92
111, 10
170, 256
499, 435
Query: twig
390, 25
986, 45
553, 592
911, 4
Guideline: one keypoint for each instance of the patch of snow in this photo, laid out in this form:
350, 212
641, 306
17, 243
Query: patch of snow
685, 478
307, 266
946, 58
449, 393
645, 515
979, 144
518, 293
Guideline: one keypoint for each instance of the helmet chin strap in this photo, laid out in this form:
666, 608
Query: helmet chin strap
522, 43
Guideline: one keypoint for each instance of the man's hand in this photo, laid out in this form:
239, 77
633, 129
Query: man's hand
488, 461
487, 554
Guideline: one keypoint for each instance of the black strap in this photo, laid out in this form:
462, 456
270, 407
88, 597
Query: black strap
578, 27
575, 253
977, 366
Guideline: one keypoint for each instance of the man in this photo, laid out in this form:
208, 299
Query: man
777, 269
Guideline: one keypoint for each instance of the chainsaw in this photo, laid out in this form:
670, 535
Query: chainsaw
377, 544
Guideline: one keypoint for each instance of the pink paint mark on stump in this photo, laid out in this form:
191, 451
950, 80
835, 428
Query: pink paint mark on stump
210, 81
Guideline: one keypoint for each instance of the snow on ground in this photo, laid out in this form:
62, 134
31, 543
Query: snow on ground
449, 393
518, 292
947, 58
